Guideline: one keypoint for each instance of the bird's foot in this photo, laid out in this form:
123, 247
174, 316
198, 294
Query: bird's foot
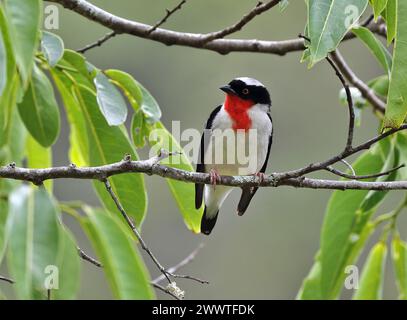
215, 177
261, 176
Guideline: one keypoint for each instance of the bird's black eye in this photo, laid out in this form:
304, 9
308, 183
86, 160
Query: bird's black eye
245, 91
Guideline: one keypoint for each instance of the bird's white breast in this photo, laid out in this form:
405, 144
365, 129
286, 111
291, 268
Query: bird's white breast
252, 143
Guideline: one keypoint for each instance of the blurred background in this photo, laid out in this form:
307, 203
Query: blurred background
266, 253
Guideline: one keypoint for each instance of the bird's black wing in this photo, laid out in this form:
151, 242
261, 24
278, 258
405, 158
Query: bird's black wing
249, 192
200, 167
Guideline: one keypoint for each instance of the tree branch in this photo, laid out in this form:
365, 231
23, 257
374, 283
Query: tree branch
257, 10
166, 273
351, 126
88, 258
98, 43
154, 282
361, 177
6, 279
167, 15
196, 40
184, 262
134, 229
367, 92
292, 178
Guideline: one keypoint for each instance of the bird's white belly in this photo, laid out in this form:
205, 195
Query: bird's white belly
238, 152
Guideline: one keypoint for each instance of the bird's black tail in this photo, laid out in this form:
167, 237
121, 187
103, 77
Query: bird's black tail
208, 222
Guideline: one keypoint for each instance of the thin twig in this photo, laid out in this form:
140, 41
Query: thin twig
98, 43
88, 258
134, 229
167, 15
351, 126
361, 177
6, 279
322, 165
184, 276
257, 10
364, 89
181, 264
346, 163
154, 283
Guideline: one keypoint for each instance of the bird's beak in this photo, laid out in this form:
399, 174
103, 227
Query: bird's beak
227, 89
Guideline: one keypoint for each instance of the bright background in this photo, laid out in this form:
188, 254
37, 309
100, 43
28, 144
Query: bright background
266, 253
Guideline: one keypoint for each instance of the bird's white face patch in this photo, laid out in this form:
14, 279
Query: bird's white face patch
251, 81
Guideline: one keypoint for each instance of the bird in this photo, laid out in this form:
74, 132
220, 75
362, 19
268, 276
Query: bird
245, 117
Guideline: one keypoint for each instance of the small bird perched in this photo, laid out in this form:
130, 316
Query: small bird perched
244, 117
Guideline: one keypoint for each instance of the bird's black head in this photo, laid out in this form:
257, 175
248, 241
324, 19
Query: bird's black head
248, 89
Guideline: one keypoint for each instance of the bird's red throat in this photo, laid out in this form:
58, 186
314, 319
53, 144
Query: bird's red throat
237, 109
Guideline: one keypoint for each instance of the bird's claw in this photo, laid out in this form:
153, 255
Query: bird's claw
261, 176
214, 176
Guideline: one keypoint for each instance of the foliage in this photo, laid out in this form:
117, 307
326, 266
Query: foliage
349, 220
35, 68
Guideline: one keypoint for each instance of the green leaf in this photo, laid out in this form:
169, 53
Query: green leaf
78, 139
371, 282
128, 85
24, 19
39, 157
35, 240
39, 109
107, 145
12, 133
378, 7
396, 109
75, 71
183, 193
3, 63
110, 101
380, 85
402, 148
390, 15
6, 186
7, 63
125, 271
3, 216
16, 138
52, 47
399, 257
345, 227
150, 106
140, 129
69, 268
375, 46
328, 22
81, 73
311, 286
